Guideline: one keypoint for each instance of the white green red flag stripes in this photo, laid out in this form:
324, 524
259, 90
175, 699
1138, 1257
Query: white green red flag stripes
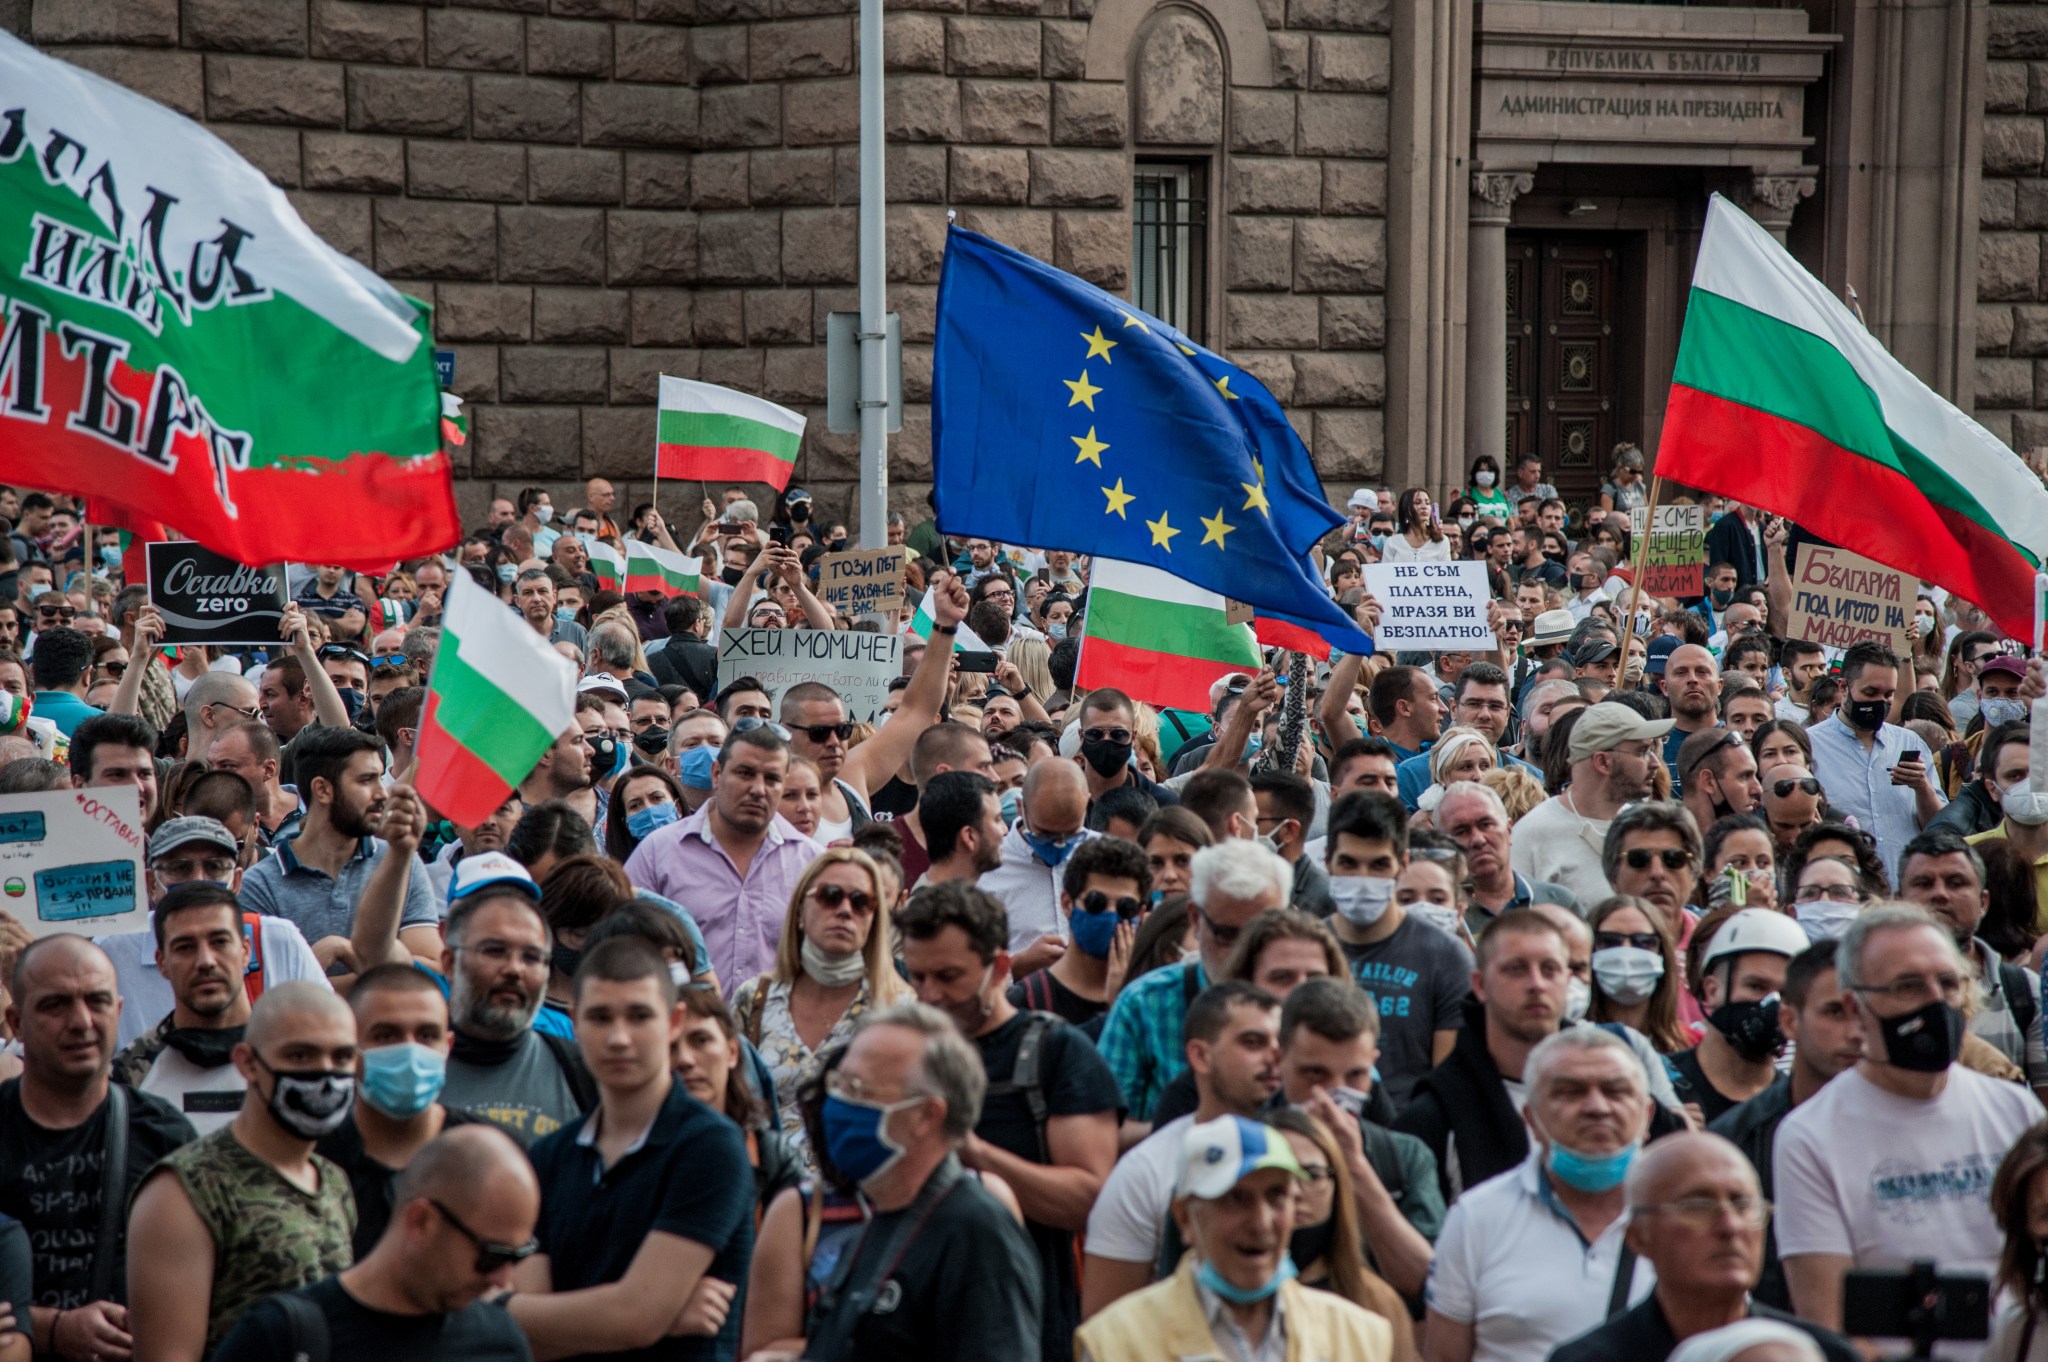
717, 434
607, 564
498, 696
1781, 399
964, 641
650, 567
174, 338
1158, 638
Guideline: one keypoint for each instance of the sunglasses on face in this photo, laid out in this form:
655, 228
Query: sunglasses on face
750, 722
821, 733
1674, 858
114, 669
56, 612
1225, 936
1115, 735
1095, 901
490, 1256
1642, 941
832, 895
1803, 784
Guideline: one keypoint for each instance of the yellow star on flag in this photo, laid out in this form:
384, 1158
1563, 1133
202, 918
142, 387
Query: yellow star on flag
1255, 498
1098, 345
1091, 448
1130, 321
1187, 350
1118, 499
1216, 529
1222, 386
1162, 533
1084, 391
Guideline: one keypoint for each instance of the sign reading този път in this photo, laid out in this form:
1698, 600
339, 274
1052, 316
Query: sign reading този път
71, 860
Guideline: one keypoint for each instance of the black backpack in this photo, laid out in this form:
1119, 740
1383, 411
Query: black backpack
1025, 1077
307, 1325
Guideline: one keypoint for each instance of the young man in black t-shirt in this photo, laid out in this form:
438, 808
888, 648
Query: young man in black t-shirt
646, 1226
1050, 1134
465, 1211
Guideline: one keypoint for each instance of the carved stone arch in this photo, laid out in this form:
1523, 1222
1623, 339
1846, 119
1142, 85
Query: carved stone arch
1237, 27
1178, 80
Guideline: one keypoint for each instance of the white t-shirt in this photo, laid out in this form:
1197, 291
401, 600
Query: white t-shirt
1399, 550
1127, 1224
1922, 1191
1553, 843
208, 1098
146, 995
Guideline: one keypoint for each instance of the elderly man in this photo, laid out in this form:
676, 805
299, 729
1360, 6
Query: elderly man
1472, 814
1235, 1295
1717, 773
1652, 851
1535, 1256
1034, 850
1917, 1192
1697, 1215
1792, 803
1560, 839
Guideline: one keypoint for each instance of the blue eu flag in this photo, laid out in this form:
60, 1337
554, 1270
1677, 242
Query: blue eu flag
1065, 418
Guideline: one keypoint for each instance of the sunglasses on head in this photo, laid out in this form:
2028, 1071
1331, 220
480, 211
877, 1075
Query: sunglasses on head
1803, 784
389, 662
1095, 901
832, 895
820, 733
1674, 858
342, 650
490, 1255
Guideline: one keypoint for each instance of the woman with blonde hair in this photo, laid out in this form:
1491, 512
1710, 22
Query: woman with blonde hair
1032, 657
831, 966
1518, 790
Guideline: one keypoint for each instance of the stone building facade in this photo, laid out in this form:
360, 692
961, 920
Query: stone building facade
1434, 228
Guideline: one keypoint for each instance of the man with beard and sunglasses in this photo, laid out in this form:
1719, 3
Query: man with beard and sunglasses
249, 1210
186, 1060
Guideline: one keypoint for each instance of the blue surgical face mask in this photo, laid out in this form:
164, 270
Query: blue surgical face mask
508, 573
1208, 1276
1051, 850
110, 554
1253, 745
1591, 1172
857, 1135
1094, 933
566, 614
403, 1080
1011, 804
1057, 629
642, 822
694, 766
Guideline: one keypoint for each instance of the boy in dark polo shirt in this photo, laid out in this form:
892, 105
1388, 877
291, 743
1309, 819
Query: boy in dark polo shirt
647, 1201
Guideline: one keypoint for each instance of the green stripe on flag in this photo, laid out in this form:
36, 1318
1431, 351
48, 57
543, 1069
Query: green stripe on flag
719, 430
1191, 631
484, 719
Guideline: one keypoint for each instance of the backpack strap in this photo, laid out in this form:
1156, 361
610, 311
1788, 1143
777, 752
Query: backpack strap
1025, 1078
113, 1193
581, 1085
2019, 999
1624, 1278
760, 1005
307, 1327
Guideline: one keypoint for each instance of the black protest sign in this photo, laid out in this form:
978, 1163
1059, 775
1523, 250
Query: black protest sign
210, 599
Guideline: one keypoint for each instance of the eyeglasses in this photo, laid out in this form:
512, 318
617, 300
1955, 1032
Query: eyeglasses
490, 1255
114, 669
832, 895
500, 952
1225, 936
1803, 784
250, 713
216, 868
1911, 988
820, 733
1729, 739
1749, 1211
1674, 858
57, 612
1095, 901
1642, 941
750, 722
1829, 893
389, 662
1115, 735
342, 650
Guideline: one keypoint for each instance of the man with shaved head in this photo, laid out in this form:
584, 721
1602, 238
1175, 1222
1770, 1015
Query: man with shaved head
1692, 683
466, 1207
64, 1006
214, 703
250, 1210
1034, 854
1697, 1215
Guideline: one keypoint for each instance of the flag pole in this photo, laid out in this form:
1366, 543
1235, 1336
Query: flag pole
1635, 588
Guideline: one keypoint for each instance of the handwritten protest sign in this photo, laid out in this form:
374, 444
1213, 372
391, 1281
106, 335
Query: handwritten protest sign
207, 598
1431, 607
71, 860
1677, 558
1839, 598
857, 664
863, 581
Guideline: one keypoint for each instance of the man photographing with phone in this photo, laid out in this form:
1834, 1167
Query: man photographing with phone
1874, 771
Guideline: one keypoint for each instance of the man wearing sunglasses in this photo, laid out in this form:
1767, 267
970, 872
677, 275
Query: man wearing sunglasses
1560, 840
1107, 729
467, 1203
1652, 851
1792, 803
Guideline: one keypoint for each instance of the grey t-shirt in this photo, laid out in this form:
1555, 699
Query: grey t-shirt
1421, 976
527, 1095
282, 886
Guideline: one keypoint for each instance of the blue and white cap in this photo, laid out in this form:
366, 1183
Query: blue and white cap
1221, 1153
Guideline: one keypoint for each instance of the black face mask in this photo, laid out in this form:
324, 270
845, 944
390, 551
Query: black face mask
1867, 715
651, 741
1104, 757
567, 959
731, 576
799, 511
1925, 1041
1751, 1029
208, 1049
1722, 599
1311, 1243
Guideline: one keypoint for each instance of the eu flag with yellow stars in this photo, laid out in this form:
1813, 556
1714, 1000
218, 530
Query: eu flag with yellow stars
1065, 418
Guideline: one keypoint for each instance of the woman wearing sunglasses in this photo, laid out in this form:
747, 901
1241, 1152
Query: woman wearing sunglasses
1635, 971
831, 966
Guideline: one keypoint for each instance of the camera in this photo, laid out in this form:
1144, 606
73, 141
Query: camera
1918, 1303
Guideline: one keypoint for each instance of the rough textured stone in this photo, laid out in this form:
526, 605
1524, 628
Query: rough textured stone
738, 248
2030, 203
991, 47
2016, 31
2005, 87
1997, 203
821, 112
483, 312
1349, 444
1003, 111
1354, 188
800, 176
798, 376
568, 47
917, 244
553, 373
2026, 330
436, 240
429, 102
1062, 49
820, 245
1270, 321
2014, 146
1096, 246
922, 109
741, 116
274, 151
732, 368
466, 170
475, 41
476, 372
1350, 62
1290, 61
340, 220
1274, 186
1363, 16
718, 179
522, 109
1179, 77
1089, 114
527, 442
1332, 256
661, 316
778, 317
551, 245
802, 49
657, 179
1259, 254
1079, 179
175, 79
2008, 266
146, 23
273, 90
989, 175
721, 317
1995, 329
1262, 122
1274, 371
651, 52
339, 160
2005, 382
1343, 125
914, 42
1353, 323
573, 175
639, 116
1030, 230
616, 441
720, 53
274, 27
350, 30
651, 247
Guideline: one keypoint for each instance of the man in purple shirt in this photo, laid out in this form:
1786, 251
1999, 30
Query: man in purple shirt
734, 863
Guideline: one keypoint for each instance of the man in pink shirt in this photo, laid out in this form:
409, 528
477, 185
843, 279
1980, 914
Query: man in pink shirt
734, 862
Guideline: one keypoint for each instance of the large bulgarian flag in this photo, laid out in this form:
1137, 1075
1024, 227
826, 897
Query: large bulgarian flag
650, 567
174, 338
498, 696
1158, 638
717, 434
1782, 399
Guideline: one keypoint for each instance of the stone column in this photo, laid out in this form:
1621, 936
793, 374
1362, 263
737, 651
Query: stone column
1773, 194
1486, 310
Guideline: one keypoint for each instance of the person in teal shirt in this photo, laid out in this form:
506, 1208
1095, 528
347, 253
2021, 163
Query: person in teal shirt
1485, 490
61, 665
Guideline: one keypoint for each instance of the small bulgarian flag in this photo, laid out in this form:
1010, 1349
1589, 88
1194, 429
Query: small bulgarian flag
966, 641
607, 564
498, 697
715, 434
1158, 638
650, 567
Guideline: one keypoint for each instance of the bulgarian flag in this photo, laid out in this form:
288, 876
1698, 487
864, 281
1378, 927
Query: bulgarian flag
1158, 638
964, 641
1783, 400
174, 338
498, 697
650, 567
715, 434
607, 564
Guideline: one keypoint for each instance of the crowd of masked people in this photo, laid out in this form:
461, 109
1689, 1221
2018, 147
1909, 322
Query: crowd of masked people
1616, 993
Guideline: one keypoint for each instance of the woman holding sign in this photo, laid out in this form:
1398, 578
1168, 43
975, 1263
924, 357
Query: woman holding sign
1421, 533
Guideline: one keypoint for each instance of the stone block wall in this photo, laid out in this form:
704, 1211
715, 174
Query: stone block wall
2012, 266
595, 192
